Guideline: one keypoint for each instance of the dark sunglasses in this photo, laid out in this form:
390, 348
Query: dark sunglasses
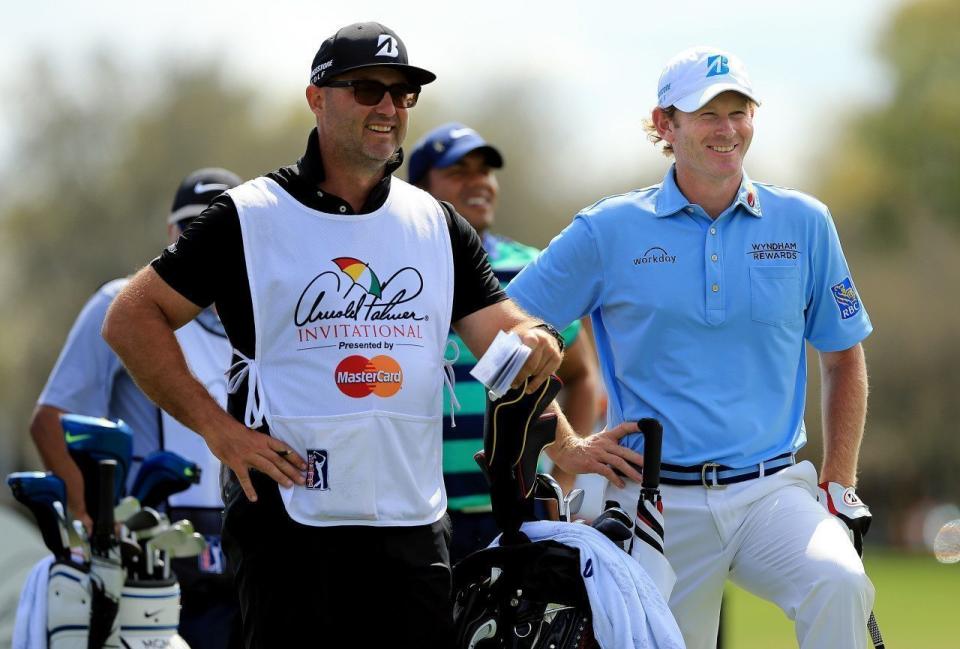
369, 93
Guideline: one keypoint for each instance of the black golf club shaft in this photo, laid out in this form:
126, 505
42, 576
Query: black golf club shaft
103, 534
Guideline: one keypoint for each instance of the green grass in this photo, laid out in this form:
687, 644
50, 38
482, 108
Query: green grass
917, 601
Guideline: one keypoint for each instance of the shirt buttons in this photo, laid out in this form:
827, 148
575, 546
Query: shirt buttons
343, 209
713, 230
319, 194
714, 258
715, 288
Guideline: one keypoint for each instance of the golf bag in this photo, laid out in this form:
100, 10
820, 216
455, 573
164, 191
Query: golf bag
147, 615
527, 594
97, 593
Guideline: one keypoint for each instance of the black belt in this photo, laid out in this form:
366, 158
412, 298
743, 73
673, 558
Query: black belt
713, 475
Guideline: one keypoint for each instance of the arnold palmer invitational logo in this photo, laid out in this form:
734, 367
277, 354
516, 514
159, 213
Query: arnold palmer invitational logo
358, 377
351, 301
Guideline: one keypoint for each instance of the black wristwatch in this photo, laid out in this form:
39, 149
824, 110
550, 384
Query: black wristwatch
553, 332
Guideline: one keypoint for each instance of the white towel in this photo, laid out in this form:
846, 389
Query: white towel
628, 609
30, 628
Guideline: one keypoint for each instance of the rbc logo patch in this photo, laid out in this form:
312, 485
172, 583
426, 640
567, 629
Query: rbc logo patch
847, 300
317, 469
717, 65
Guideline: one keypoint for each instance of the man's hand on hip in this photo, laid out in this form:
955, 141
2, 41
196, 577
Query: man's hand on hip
845, 504
242, 449
600, 453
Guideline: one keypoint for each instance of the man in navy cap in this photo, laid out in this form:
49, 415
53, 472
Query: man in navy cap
337, 285
704, 291
455, 164
89, 379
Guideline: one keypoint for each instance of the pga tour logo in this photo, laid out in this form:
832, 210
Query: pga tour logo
317, 469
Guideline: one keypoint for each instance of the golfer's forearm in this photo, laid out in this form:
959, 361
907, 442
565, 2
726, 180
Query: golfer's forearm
566, 437
844, 405
580, 404
47, 435
140, 335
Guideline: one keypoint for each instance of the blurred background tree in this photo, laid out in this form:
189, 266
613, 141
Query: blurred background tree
87, 198
892, 180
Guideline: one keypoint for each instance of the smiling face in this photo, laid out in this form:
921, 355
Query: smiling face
366, 136
470, 186
710, 144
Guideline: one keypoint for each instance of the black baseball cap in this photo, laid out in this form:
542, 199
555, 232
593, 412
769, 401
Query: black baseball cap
364, 45
198, 190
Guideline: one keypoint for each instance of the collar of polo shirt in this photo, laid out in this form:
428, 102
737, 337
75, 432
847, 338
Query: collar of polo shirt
670, 200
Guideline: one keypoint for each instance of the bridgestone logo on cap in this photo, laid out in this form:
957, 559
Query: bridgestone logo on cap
318, 71
388, 46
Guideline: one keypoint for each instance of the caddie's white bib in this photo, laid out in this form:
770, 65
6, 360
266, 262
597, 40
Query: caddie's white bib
351, 315
208, 354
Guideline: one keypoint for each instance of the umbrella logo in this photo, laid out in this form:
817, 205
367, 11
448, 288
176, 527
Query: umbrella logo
361, 274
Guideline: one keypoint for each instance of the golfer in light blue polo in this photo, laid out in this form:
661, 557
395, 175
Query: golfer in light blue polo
703, 291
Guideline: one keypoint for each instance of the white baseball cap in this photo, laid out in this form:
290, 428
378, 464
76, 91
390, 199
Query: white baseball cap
695, 76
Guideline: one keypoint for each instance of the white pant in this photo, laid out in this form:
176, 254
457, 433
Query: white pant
772, 538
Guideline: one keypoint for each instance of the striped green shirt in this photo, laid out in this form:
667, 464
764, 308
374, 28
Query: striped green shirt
467, 489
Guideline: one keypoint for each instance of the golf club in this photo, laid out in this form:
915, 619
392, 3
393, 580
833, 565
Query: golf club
41, 492
106, 568
144, 519
547, 488
126, 508
162, 474
572, 503
91, 439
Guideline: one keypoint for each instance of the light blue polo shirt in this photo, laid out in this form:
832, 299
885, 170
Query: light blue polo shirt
701, 323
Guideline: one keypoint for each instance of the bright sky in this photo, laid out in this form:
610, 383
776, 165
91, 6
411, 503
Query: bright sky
810, 61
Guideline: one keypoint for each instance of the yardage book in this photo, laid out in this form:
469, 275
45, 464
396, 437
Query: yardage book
499, 366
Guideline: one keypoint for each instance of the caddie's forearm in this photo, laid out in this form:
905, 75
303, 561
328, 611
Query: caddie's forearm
844, 390
140, 335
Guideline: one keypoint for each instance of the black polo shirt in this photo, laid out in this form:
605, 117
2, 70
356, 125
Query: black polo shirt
207, 264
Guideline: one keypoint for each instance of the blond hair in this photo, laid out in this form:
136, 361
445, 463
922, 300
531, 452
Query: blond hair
651, 130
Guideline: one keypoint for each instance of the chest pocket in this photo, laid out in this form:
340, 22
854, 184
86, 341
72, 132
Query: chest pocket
775, 294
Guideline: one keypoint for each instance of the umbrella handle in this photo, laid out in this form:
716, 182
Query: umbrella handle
652, 432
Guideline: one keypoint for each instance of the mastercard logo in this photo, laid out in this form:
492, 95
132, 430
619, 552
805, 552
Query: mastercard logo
357, 376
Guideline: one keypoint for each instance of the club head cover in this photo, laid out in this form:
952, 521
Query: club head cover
542, 433
481, 459
508, 420
615, 524
162, 474
513, 436
91, 439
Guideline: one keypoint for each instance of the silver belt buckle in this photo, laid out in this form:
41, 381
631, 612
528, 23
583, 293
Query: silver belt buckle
703, 476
